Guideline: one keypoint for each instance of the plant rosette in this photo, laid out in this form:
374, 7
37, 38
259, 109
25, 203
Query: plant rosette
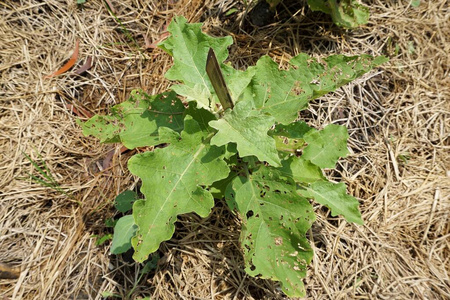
256, 154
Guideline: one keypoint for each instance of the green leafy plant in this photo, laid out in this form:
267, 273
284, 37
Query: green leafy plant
256, 154
125, 226
345, 13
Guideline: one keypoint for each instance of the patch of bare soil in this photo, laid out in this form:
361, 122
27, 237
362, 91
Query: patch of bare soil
398, 119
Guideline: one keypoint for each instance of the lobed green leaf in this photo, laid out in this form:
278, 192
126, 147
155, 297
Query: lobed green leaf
135, 123
248, 129
189, 47
334, 197
275, 220
173, 180
301, 170
282, 93
326, 146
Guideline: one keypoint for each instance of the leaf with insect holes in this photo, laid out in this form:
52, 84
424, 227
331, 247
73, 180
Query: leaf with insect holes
173, 181
334, 197
135, 122
289, 138
275, 222
189, 47
282, 93
204, 151
340, 70
248, 129
294, 130
326, 146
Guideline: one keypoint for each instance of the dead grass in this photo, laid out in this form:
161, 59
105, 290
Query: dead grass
398, 119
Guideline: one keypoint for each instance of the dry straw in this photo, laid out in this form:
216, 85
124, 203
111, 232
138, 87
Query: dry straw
398, 119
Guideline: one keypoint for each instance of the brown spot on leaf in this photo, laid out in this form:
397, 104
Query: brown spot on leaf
278, 241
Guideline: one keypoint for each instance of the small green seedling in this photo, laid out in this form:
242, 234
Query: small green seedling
236, 138
45, 177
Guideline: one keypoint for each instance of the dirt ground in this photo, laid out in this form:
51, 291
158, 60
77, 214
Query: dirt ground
398, 118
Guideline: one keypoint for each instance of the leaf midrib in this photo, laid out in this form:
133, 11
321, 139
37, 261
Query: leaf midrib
202, 146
